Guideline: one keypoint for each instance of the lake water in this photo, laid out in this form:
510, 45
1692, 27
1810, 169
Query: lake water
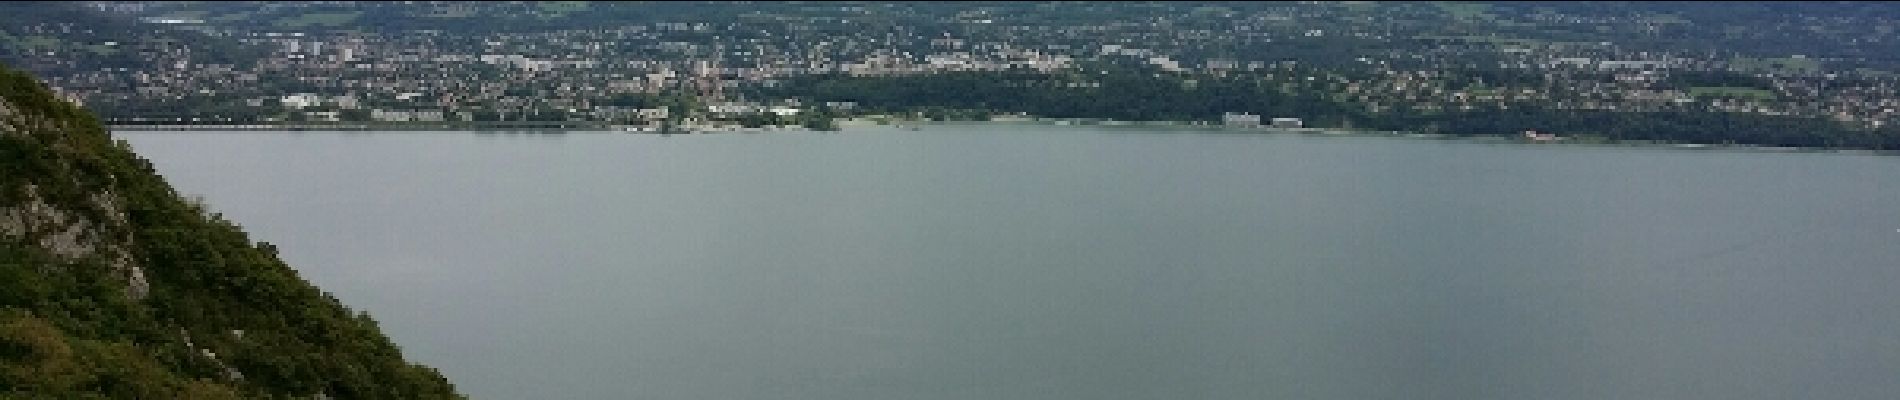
1038, 262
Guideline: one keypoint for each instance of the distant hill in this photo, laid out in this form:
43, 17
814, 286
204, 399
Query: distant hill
113, 286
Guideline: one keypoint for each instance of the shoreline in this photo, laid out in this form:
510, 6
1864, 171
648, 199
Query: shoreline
846, 124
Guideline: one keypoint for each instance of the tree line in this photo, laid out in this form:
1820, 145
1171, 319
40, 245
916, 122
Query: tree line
1132, 95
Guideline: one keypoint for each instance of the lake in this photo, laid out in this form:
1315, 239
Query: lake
1039, 262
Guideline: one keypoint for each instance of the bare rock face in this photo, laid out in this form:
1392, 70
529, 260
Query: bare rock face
7, 114
67, 233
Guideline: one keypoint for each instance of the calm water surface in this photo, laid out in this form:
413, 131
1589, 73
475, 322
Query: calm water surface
1029, 262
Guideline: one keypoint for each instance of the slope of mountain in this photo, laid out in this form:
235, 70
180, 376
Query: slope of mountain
114, 286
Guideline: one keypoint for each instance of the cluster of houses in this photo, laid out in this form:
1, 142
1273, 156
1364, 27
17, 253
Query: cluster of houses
1246, 120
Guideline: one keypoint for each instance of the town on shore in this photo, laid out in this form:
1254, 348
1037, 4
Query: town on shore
1743, 73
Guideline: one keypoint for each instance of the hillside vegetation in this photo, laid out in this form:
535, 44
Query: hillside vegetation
113, 286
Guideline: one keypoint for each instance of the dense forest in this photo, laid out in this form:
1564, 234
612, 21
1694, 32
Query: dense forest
113, 286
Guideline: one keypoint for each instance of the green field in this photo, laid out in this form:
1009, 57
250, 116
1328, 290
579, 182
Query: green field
1665, 19
1211, 10
1875, 72
1723, 91
1483, 39
1467, 11
49, 43
323, 18
40, 42
558, 9
1788, 64
232, 17
1357, 7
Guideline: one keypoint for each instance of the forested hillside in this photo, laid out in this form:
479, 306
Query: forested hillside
113, 286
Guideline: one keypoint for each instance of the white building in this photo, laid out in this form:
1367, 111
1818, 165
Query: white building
1240, 119
301, 100
783, 111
